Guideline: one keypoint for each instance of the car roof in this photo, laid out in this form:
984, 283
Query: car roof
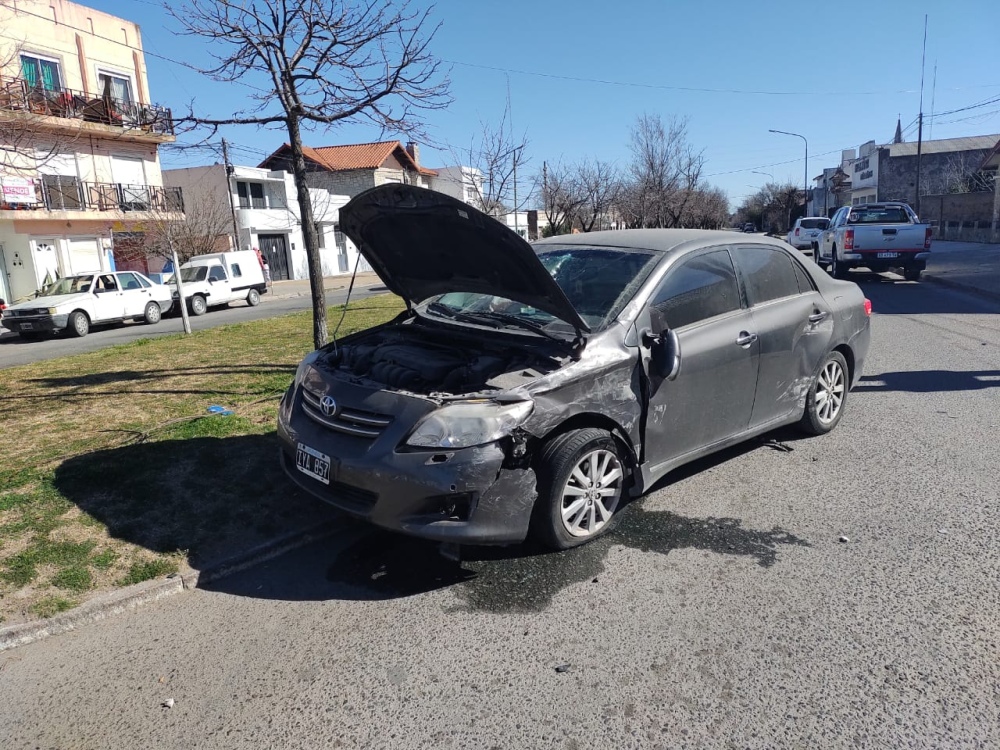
655, 240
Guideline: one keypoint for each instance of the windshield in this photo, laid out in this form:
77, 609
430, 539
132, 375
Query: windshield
189, 274
69, 285
598, 281
815, 223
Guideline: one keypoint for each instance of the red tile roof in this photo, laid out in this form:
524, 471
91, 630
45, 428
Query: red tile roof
357, 156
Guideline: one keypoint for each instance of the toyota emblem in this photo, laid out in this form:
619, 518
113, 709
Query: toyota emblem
328, 405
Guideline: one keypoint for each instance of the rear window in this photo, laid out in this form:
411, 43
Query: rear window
878, 215
815, 223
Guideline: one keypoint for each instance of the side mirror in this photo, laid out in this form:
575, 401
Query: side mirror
664, 353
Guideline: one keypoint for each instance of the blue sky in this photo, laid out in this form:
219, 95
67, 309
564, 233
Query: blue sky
840, 79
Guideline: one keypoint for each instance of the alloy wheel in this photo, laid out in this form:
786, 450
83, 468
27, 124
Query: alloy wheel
591, 493
830, 388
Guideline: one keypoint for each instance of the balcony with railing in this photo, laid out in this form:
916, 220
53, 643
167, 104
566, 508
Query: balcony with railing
18, 95
58, 193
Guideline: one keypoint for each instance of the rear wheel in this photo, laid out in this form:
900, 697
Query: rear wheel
78, 324
837, 269
253, 298
198, 305
581, 483
827, 397
911, 274
152, 313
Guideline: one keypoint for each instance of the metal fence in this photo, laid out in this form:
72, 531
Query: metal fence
58, 193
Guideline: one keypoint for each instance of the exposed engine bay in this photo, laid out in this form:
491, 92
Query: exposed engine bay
421, 360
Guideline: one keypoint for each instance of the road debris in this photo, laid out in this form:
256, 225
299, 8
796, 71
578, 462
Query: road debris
168, 703
844, 539
562, 668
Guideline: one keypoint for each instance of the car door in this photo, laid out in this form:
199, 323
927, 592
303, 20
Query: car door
134, 296
221, 289
826, 239
794, 325
711, 398
108, 303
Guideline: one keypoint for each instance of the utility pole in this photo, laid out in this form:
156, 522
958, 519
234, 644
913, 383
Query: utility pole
229, 192
510, 122
920, 118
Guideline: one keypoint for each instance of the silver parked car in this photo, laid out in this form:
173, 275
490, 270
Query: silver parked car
535, 388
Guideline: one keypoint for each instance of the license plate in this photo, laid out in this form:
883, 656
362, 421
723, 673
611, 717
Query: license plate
313, 463
887, 255
26, 326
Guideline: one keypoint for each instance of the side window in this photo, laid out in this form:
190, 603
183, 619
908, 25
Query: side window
146, 283
128, 281
768, 271
218, 273
698, 289
805, 283
235, 268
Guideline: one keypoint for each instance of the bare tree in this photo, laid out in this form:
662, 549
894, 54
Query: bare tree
962, 174
596, 185
324, 62
708, 209
497, 156
560, 201
665, 169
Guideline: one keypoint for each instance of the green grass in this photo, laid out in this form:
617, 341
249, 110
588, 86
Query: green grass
119, 474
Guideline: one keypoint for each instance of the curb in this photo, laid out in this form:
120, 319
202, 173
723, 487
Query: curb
293, 295
127, 599
959, 286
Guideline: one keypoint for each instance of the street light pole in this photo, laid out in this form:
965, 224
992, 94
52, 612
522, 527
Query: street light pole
805, 184
766, 174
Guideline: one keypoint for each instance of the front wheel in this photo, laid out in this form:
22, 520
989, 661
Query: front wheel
911, 274
827, 397
78, 324
253, 298
198, 305
581, 483
152, 313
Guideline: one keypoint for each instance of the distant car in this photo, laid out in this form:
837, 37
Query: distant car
806, 231
876, 236
533, 388
74, 303
749, 228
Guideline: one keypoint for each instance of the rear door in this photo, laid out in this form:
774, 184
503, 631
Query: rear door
712, 397
794, 326
134, 296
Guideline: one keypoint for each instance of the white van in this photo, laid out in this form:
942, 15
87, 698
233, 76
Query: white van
220, 278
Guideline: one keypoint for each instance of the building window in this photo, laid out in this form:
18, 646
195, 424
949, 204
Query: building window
251, 195
119, 86
40, 73
320, 236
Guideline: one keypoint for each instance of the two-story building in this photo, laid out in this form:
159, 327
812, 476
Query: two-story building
78, 142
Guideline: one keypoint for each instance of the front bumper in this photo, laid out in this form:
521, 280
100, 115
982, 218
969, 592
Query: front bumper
34, 323
461, 496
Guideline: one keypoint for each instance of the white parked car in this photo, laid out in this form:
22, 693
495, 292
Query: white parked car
806, 232
220, 278
74, 303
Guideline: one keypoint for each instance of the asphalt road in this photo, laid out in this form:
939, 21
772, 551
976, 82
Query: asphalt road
724, 612
16, 351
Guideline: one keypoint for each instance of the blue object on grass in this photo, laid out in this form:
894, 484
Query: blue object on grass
220, 410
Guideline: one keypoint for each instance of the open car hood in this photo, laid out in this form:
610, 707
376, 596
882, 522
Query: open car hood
423, 243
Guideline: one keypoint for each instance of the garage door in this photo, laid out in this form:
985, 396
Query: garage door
84, 255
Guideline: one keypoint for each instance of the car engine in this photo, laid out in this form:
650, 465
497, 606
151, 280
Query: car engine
411, 360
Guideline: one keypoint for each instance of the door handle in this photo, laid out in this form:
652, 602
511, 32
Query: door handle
817, 317
745, 338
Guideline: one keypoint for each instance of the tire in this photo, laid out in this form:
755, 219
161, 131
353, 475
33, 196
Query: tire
197, 305
564, 480
78, 324
823, 410
152, 313
253, 298
837, 270
911, 274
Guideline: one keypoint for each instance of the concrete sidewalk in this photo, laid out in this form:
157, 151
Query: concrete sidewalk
969, 266
300, 287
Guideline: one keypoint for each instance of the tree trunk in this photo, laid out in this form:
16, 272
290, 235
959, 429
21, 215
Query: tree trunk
180, 287
308, 233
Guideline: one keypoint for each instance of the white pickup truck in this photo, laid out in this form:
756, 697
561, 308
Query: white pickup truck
876, 236
220, 278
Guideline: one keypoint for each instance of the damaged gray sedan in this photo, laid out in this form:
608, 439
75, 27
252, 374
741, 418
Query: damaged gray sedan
533, 389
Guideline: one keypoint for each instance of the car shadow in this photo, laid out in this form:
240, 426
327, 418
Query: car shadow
891, 295
930, 381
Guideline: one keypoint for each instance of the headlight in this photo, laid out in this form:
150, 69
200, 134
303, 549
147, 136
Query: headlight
468, 423
304, 366
51, 311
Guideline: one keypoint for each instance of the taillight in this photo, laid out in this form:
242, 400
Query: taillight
849, 239
796, 231
868, 307
927, 238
